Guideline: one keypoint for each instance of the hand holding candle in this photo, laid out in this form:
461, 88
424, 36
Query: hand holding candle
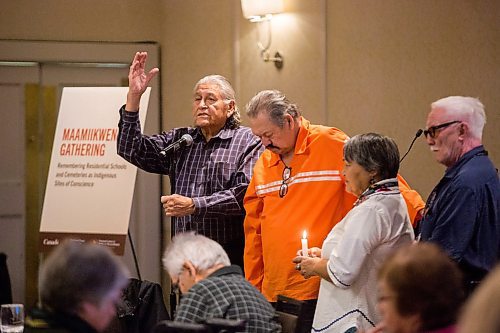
304, 244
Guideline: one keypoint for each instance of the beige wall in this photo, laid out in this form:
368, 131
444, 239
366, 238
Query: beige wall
73, 20
388, 60
358, 65
197, 40
300, 36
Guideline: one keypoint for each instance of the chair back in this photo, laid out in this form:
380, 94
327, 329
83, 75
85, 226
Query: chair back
225, 325
211, 325
140, 309
168, 326
289, 312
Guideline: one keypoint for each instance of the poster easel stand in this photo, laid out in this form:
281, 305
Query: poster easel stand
134, 255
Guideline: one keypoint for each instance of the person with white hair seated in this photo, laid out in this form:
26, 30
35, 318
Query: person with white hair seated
212, 287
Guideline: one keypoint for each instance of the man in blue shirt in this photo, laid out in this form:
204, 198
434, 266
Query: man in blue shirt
462, 212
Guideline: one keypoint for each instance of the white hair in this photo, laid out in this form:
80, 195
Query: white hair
227, 93
201, 251
467, 109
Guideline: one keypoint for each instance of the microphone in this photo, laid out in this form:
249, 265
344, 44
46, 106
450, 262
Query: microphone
419, 133
185, 141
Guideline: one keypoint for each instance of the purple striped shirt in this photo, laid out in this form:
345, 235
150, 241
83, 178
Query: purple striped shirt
215, 174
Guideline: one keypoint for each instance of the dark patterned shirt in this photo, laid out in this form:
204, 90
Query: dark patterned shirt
226, 294
215, 174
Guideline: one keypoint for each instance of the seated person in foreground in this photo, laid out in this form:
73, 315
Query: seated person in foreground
79, 285
212, 288
420, 291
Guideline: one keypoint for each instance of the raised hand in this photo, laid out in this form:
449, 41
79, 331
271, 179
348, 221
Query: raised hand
138, 80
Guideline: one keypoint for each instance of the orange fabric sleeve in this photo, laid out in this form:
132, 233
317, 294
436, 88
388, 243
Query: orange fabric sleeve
413, 201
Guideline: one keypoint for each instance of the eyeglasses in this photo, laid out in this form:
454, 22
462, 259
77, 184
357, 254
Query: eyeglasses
431, 131
287, 172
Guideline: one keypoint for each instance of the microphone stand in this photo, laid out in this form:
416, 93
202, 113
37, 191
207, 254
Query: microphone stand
173, 294
418, 134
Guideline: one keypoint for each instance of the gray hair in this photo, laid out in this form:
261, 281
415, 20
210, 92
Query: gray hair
374, 152
227, 93
467, 109
201, 251
75, 273
275, 104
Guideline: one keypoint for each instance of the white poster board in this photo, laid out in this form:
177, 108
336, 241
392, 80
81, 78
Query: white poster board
89, 189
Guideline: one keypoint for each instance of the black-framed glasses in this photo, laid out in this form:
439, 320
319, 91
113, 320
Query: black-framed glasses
287, 172
431, 131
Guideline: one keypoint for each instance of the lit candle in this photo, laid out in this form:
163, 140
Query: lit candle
304, 244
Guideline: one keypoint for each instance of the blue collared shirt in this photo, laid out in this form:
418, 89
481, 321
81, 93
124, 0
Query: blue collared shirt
462, 212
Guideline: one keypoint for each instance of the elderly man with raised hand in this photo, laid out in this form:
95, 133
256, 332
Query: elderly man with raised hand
462, 212
297, 185
211, 175
212, 288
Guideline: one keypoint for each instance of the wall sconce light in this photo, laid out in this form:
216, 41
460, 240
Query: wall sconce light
261, 12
